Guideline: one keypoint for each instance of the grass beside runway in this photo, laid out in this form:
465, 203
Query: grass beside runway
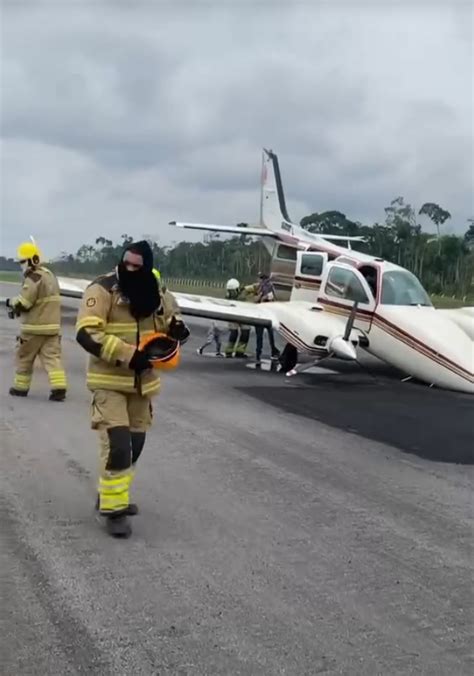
217, 292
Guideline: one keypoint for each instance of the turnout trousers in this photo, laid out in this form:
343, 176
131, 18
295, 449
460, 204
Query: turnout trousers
237, 341
29, 347
121, 420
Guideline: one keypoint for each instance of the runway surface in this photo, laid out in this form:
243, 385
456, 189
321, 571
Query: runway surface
287, 527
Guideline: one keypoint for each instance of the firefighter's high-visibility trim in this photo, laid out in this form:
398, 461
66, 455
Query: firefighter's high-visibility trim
48, 299
41, 301
41, 329
113, 494
57, 379
151, 388
129, 330
109, 347
120, 383
121, 327
22, 381
90, 322
21, 300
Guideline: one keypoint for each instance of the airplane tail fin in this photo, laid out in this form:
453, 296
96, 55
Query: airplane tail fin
273, 211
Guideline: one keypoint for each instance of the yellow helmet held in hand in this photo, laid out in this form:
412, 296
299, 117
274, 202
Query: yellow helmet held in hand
162, 351
28, 251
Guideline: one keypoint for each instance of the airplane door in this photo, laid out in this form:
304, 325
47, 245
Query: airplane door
309, 271
342, 285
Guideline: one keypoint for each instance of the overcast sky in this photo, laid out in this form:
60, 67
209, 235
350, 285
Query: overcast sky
121, 116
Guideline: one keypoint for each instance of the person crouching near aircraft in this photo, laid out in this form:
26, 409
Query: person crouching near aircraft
239, 334
39, 307
117, 311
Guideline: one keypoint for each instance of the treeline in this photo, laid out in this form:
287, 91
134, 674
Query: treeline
444, 263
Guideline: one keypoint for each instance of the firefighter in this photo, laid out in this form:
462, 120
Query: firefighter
39, 307
118, 310
239, 334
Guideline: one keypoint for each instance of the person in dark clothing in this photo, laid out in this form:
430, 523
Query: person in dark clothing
265, 293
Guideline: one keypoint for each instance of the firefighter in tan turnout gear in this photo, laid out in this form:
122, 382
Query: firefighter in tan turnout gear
117, 312
239, 334
39, 307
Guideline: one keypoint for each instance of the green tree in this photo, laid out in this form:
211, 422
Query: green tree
435, 213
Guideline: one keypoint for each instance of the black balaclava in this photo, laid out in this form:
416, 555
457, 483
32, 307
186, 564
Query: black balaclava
140, 286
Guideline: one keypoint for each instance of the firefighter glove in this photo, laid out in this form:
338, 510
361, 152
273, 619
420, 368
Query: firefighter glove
178, 330
139, 362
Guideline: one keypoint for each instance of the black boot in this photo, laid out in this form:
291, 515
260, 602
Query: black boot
118, 526
17, 393
57, 395
131, 510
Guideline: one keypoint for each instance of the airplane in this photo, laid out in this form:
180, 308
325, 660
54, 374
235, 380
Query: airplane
392, 319
342, 300
393, 315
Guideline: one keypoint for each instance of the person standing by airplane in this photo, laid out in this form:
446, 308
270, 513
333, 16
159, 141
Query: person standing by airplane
39, 307
264, 291
117, 310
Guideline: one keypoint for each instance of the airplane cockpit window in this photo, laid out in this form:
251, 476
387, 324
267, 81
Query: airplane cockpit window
344, 284
312, 264
400, 287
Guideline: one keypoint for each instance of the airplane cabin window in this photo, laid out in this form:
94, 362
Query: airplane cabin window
370, 274
286, 253
400, 287
344, 284
312, 265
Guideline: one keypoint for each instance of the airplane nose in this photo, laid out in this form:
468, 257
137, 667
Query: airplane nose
428, 345
342, 349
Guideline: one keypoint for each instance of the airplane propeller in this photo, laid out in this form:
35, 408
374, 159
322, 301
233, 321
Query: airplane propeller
350, 321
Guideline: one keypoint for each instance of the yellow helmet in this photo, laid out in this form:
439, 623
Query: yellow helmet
28, 251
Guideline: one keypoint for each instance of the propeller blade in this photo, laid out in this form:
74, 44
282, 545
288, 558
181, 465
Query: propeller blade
299, 368
350, 321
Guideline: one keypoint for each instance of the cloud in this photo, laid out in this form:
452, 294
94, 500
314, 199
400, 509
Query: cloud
118, 117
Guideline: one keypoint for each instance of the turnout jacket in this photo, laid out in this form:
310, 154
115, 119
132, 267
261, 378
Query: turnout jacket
106, 329
39, 303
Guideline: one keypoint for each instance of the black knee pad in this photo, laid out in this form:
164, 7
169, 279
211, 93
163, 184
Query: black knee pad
120, 456
138, 441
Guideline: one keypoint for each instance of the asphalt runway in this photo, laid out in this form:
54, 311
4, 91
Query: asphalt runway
287, 527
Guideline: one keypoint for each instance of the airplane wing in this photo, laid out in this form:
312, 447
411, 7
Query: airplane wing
298, 322
303, 238
260, 232
222, 309
207, 307
71, 287
463, 317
